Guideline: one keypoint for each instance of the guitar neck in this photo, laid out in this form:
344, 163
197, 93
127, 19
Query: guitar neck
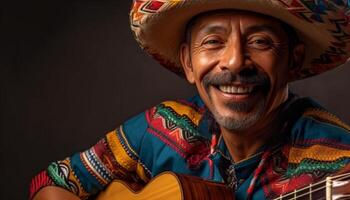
332, 188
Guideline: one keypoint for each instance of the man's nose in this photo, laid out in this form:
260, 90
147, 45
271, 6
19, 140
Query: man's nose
233, 58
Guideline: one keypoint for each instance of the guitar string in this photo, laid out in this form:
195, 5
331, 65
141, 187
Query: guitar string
308, 193
341, 175
346, 195
305, 188
296, 191
301, 195
345, 175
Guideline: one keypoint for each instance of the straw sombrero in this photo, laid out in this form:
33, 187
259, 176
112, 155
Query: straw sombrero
323, 25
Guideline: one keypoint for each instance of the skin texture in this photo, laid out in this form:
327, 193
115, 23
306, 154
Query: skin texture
229, 43
54, 193
247, 50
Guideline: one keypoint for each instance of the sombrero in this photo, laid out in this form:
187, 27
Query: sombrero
323, 25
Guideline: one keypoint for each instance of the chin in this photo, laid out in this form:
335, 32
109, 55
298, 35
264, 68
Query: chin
240, 121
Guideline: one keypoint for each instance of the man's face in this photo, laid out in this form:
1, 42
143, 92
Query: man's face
239, 63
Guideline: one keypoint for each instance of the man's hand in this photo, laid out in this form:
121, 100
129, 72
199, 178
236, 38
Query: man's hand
54, 193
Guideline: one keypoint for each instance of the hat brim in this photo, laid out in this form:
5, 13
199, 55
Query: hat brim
161, 31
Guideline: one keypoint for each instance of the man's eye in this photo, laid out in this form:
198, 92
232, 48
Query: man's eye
259, 43
210, 42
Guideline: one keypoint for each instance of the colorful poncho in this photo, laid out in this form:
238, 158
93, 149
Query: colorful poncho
179, 136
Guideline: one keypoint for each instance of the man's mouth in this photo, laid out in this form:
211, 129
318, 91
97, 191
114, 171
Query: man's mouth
236, 89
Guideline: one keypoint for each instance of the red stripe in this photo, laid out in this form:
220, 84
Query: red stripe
257, 174
39, 181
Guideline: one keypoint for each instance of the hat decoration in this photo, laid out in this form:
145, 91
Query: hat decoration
323, 25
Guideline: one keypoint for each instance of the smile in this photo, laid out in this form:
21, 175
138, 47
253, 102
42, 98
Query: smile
231, 89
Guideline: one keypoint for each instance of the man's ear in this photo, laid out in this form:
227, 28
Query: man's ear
297, 60
185, 59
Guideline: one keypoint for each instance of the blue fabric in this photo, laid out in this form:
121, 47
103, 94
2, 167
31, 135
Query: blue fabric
158, 156
179, 136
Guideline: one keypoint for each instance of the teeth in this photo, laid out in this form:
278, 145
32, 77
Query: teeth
236, 89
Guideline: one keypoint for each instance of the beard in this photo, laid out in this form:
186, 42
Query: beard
248, 112
242, 122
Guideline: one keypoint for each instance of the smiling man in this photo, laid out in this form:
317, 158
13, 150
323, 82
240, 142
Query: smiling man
241, 64
245, 128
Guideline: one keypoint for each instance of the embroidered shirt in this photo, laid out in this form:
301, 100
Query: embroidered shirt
178, 136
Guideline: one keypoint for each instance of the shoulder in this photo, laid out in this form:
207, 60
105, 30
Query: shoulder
172, 128
320, 141
184, 114
178, 122
316, 122
173, 122
321, 116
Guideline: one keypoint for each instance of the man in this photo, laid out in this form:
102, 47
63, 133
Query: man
245, 128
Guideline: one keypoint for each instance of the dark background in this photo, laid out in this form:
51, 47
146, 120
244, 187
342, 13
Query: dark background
70, 72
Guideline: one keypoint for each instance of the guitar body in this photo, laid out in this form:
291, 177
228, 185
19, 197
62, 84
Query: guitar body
169, 186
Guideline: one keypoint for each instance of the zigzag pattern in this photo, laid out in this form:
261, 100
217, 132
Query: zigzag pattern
176, 124
320, 11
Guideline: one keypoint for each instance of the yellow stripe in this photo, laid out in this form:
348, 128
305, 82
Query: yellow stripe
317, 152
126, 141
140, 171
182, 109
119, 152
326, 117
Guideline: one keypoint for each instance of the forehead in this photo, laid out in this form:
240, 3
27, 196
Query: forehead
226, 18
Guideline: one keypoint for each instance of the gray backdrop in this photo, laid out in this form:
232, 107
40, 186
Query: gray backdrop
71, 72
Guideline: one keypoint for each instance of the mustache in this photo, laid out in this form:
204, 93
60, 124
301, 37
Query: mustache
226, 77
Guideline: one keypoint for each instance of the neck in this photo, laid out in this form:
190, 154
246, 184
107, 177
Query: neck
243, 144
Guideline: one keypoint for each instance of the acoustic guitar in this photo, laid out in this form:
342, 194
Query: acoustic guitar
168, 186
171, 186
